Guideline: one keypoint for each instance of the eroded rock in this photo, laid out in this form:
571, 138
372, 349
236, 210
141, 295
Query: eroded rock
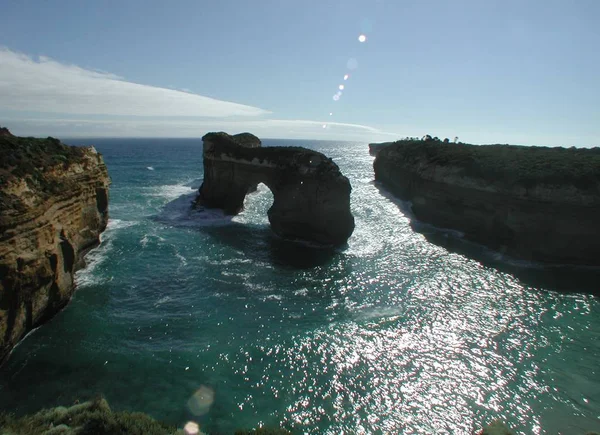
534, 203
53, 207
311, 197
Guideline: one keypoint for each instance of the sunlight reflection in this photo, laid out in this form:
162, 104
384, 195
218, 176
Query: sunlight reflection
191, 428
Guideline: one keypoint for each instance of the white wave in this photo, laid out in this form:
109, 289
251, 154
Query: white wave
195, 184
170, 191
162, 300
376, 313
181, 258
150, 168
180, 212
148, 237
228, 261
117, 224
273, 297
88, 276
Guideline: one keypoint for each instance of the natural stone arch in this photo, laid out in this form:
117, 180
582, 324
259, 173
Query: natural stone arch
311, 197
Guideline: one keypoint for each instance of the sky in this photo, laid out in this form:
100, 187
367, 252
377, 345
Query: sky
508, 71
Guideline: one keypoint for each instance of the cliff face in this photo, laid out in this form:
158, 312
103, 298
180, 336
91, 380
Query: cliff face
374, 148
311, 197
534, 203
53, 207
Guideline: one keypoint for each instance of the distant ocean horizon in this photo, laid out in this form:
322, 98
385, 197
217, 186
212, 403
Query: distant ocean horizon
196, 316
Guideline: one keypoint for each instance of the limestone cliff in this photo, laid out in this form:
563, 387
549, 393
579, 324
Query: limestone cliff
534, 203
311, 197
53, 207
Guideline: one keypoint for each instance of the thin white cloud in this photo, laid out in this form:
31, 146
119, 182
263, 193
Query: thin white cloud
46, 85
277, 128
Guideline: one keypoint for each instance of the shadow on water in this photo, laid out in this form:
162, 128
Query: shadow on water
257, 242
561, 278
260, 243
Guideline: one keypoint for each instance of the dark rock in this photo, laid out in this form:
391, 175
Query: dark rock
4, 132
374, 148
311, 196
534, 203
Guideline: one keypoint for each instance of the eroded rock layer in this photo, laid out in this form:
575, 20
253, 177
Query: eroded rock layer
311, 197
53, 207
534, 203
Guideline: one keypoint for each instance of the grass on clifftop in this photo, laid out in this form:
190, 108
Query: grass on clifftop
506, 164
25, 155
30, 159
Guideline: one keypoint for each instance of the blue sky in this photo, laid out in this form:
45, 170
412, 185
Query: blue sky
488, 71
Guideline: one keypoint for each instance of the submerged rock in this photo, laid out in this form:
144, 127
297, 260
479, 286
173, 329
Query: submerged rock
533, 203
53, 207
311, 197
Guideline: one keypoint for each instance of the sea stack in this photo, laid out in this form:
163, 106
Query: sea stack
534, 203
53, 207
311, 197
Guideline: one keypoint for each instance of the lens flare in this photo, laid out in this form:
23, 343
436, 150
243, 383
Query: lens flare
362, 38
346, 76
324, 125
330, 113
341, 87
336, 97
201, 400
191, 428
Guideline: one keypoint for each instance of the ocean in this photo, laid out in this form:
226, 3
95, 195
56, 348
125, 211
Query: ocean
195, 316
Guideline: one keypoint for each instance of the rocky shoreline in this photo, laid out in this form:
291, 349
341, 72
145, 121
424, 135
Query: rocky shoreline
53, 208
534, 203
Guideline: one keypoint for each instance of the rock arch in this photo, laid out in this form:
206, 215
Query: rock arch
311, 197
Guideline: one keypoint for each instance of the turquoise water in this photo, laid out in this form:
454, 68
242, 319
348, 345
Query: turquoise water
392, 334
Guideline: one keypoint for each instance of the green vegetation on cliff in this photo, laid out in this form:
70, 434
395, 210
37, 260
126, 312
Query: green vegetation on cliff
33, 160
510, 165
96, 418
88, 418
31, 156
